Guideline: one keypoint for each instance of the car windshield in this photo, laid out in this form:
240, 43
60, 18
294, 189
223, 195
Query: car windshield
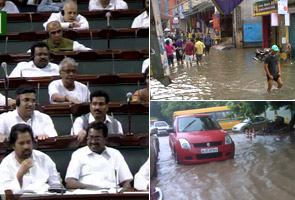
190, 124
246, 120
159, 124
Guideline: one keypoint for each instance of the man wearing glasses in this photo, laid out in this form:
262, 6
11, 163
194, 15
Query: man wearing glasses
67, 89
39, 64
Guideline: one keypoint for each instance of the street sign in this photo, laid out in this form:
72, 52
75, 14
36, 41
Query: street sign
282, 7
3, 23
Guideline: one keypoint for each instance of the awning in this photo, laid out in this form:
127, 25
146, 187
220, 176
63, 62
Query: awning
199, 6
225, 7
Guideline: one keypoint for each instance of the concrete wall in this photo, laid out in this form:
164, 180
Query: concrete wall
243, 14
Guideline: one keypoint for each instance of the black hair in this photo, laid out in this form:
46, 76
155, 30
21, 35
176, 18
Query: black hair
192, 40
167, 42
19, 128
37, 44
100, 93
24, 89
146, 72
98, 126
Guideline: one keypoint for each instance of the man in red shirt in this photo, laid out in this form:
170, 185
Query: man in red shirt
189, 51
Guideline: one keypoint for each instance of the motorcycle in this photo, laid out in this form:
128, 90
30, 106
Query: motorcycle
261, 54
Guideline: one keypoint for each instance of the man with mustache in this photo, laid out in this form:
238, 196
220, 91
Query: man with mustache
25, 113
57, 42
39, 64
97, 166
99, 106
142, 20
69, 17
26, 169
67, 89
107, 5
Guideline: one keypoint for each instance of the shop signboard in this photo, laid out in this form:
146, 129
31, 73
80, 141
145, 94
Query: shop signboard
216, 26
3, 23
265, 8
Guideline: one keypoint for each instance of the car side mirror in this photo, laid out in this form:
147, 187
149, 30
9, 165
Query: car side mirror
154, 131
170, 130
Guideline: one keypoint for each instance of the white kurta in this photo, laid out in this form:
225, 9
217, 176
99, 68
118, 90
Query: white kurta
10, 7
81, 92
41, 123
78, 124
65, 25
142, 177
141, 21
113, 5
29, 69
39, 177
98, 169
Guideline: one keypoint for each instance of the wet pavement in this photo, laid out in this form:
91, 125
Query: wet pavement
225, 75
263, 168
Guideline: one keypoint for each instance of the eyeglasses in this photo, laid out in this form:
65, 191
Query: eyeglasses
96, 139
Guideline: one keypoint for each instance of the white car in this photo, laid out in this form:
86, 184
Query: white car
162, 127
257, 123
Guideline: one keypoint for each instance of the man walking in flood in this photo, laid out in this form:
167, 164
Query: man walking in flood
273, 68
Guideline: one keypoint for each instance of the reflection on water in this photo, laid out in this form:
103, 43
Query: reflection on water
263, 168
227, 75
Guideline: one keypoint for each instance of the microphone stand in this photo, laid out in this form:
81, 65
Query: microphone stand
129, 117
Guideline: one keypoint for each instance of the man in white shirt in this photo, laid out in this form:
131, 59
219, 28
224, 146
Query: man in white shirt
142, 177
39, 64
145, 65
11, 102
142, 20
97, 166
25, 113
8, 6
99, 106
69, 17
57, 42
67, 89
107, 5
25, 169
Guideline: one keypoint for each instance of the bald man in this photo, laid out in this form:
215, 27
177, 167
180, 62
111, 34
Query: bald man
69, 17
57, 42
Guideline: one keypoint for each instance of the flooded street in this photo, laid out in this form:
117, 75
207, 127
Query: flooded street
263, 168
227, 75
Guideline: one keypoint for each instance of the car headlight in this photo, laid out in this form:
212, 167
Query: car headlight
184, 144
227, 140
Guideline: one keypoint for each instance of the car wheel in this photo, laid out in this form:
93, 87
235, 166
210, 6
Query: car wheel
176, 157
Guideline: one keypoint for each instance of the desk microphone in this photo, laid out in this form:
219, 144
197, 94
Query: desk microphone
116, 180
108, 15
129, 98
6, 82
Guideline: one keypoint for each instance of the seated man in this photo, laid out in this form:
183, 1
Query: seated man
99, 106
69, 17
107, 5
142, 95
142, 20
11, 102
145, 64
8, 6
67, 89
39, 64
96, 166
142, 177
50, 5
25, 113
25, 169
57, 42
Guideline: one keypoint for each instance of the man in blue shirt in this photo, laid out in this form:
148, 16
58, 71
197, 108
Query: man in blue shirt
208, 43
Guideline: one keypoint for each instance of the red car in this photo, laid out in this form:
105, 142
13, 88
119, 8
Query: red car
199, 138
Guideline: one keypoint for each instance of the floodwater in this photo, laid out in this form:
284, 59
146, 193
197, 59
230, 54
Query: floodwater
225, 75
263, 168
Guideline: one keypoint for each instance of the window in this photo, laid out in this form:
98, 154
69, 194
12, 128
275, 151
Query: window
190, 124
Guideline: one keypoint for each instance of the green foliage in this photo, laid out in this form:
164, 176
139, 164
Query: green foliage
247, 108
